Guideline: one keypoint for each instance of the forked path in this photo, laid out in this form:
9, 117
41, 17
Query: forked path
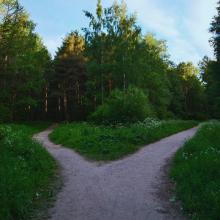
121, 190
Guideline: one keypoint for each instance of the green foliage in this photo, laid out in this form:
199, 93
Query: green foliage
111, 44
210, 76
112, 54
127, 106
196, 172
153, 63
67, 82
210, 70
23, 61
119, 57
215, 30
177, 93
111, 143
188, 93
26, 170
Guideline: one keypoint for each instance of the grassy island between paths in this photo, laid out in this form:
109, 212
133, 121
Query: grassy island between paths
197, 175
26, 171
110, 143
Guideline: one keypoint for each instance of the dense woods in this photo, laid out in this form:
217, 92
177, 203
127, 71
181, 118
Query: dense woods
24, 60
107, 69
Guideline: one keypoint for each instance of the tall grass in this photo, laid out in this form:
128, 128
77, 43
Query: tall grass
26, 170
196, 170
110, 143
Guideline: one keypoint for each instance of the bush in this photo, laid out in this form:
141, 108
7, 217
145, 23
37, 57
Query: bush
127, 106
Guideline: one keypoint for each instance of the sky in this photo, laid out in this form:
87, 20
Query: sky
183, 24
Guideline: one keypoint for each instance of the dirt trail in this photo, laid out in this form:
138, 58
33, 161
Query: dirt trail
126, 189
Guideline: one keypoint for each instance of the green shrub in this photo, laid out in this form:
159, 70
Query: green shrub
123, 107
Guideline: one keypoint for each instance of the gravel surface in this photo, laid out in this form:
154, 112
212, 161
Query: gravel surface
126, 189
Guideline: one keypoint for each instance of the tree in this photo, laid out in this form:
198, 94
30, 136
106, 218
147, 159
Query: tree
188, 92
209, 73
23, 61
177, 94
67, 85
215, 30
210, 70
153, 73
213, 69
111, 40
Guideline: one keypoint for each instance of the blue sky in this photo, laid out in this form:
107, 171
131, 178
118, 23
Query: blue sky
183, 24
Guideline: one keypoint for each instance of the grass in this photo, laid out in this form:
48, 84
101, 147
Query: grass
110, 143
26, 171
196, 171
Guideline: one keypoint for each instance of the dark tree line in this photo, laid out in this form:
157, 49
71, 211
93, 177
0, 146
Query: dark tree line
108, 61
210, 70
23, 63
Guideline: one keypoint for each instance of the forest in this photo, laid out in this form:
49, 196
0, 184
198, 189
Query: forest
110, 107
107, 69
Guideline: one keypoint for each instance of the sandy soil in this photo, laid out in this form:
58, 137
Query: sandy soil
127, 189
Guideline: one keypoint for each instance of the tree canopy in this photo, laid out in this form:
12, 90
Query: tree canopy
108, 58
23, 62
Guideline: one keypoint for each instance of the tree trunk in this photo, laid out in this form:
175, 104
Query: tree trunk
66, 115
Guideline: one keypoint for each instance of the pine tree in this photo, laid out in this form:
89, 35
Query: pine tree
68, 81
215, 30
213, 86
23, 61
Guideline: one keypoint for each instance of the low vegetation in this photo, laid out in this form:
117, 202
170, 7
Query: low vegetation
26, 170
196, 172
110, 143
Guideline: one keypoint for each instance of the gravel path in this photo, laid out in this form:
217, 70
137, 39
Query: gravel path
126, 189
